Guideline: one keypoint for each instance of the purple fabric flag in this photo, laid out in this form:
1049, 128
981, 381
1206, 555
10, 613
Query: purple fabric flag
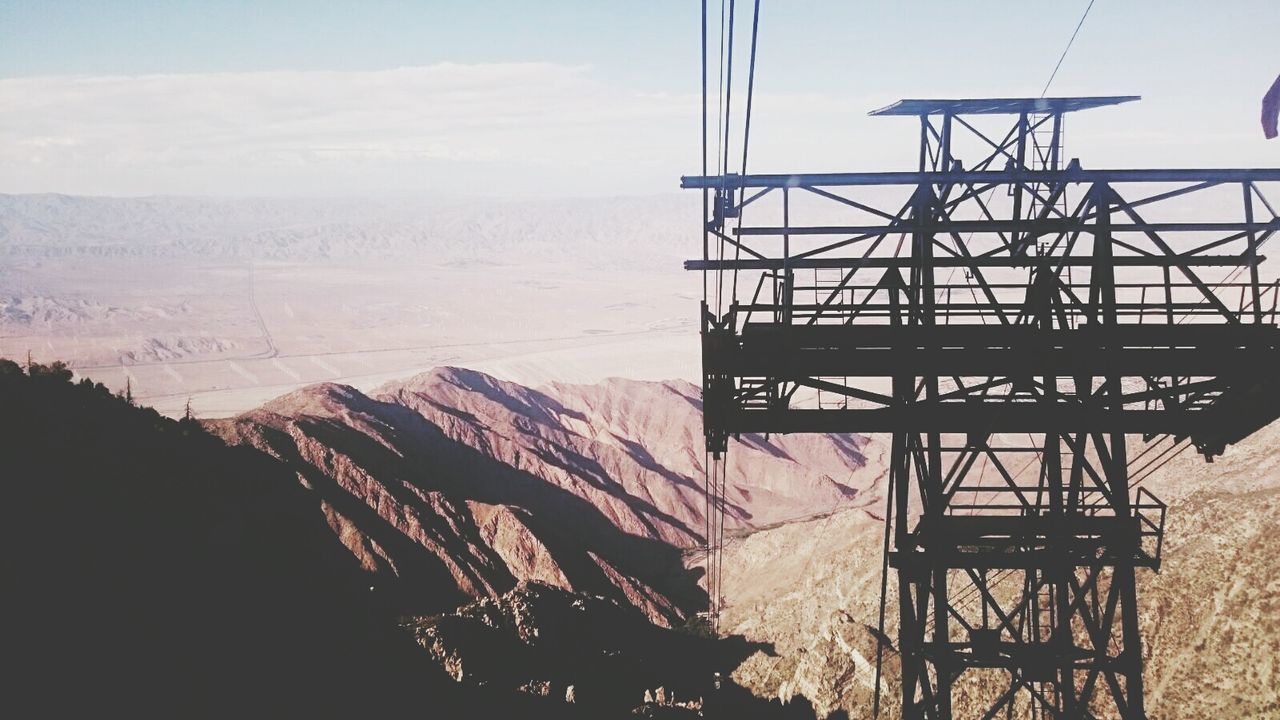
1271, 110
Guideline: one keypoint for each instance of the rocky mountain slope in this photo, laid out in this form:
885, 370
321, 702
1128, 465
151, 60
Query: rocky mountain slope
157, 572
454, 485
530, 542
598, 658
154, 572
802, 574
1210, 618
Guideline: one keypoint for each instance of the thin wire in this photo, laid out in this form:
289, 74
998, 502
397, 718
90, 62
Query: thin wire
712, 591
728, 127
716, 466
718, 481
746, 130
724, 482
720, 150
884, 585
728, 97
716, 546
707, 524
717, 471
844, 503
1066, 49
705, 191
714, 582
751, 82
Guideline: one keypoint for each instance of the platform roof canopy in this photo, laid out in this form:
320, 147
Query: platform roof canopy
1000, 106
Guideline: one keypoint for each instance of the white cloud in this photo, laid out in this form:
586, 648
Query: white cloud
486, 129
497, 128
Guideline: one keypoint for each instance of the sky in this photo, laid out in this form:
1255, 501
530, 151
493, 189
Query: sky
588, 98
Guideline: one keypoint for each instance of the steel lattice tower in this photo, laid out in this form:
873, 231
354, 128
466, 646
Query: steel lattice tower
1037, 338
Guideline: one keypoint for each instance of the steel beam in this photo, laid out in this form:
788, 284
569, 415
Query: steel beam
799, 263
992, 177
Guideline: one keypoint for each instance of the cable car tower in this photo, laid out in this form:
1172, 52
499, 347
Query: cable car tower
1037, 337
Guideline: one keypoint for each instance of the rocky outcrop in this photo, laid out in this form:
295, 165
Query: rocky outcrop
594, 657
1208, 618
635, 450
454, 485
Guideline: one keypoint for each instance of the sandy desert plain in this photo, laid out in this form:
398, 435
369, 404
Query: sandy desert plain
227, 304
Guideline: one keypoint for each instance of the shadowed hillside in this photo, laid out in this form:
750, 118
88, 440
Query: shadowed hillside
153, 569
157, 572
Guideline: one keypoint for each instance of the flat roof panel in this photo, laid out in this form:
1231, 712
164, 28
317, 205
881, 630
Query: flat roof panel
1000, 106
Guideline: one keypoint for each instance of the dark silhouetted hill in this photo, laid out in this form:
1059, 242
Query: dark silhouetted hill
152, 571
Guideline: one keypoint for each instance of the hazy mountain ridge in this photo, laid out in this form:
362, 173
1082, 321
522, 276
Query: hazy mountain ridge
231, 301
644, 230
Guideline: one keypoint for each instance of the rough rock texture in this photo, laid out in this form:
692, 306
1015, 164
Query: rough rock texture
774, 479
454, 485
634, 449
593, 657
1210, 618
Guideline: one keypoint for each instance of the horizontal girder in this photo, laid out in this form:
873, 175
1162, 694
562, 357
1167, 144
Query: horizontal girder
800, 263
963, 417
994, 177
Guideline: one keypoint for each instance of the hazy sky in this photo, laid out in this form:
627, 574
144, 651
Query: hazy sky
127, 97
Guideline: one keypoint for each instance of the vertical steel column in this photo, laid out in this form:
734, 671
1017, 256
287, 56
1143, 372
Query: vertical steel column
944, 146
1129, 662
788, 278
1055, 149
1254, 284
927, 210
924, 143
914, 572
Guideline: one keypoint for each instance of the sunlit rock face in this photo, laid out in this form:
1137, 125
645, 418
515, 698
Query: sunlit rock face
454, 485
1210, 619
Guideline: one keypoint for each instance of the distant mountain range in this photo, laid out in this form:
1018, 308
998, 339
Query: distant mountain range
605, 232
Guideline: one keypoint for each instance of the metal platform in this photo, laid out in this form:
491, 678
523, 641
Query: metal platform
1001, 106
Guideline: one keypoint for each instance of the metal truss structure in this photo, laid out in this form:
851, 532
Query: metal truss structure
1037, 337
